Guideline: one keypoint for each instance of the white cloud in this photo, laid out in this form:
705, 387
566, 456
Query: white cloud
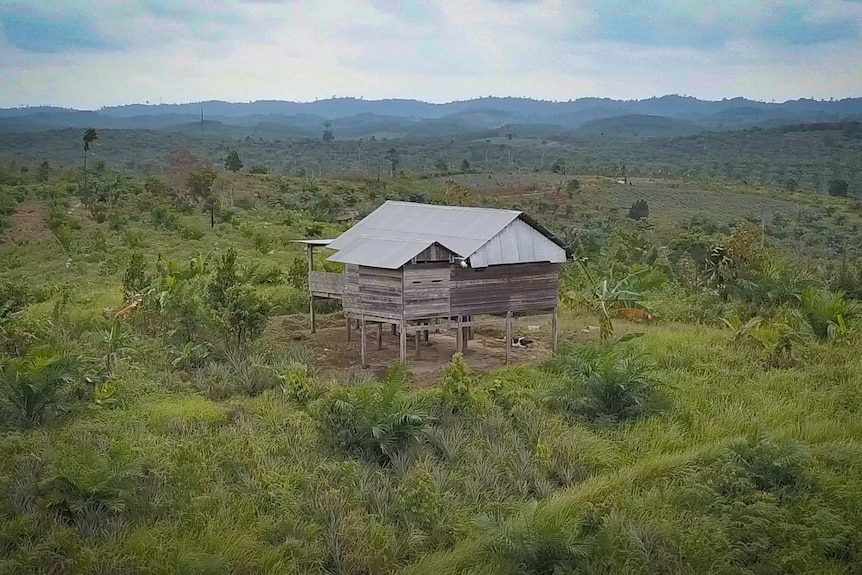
190, 50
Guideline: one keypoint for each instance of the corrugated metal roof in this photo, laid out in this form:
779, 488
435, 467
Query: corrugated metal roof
380, 252
461, 230
518, 242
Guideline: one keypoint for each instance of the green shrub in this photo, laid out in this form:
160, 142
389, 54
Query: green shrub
603, 383
828, 313
377, 422
33, 385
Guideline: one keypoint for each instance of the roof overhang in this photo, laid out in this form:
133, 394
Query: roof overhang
320, 242
383, 253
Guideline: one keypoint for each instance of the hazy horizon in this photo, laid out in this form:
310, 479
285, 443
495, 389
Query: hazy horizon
88, 55
422, 100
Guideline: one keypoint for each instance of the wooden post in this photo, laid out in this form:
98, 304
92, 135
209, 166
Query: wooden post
380, 335
459, 333
349, 330
394, 328
471, 332
554, 330
417, 336
313, 318
426, 335
403, 343
310, 295
362, 339
465, 337
508, 334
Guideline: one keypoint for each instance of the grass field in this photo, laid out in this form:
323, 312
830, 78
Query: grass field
694, 448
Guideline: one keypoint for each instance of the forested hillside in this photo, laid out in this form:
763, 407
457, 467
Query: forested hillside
806, 156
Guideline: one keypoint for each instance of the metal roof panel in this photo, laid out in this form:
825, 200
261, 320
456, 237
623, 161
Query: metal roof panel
380, 252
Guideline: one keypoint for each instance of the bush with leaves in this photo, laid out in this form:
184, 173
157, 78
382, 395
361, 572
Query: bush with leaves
378, 422
135, 279
603, 383
244, 314
459, 388
92, 489
33, 386
828, 314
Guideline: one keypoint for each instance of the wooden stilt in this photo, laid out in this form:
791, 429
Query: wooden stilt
554, 330
471, 331
508, 335
465, 336
362, 341
459, 334
379, 335
313, 318
417, 337
403, 343
394, 328
310, 295
349, 329
426, 336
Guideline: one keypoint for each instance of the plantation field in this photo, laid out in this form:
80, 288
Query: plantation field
671, 201
164, 409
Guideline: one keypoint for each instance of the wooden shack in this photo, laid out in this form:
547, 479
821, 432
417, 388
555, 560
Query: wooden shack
421, 267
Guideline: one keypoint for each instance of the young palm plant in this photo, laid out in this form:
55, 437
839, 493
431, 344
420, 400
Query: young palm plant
117, 341
602, 383
32, 385
828, 313
377, 422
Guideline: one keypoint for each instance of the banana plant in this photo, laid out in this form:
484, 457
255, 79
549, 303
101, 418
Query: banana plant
607, 297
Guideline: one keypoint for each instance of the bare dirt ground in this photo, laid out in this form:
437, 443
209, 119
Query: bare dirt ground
336, 357
28, 222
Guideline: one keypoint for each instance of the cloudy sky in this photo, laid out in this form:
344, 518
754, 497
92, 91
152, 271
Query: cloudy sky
102, 52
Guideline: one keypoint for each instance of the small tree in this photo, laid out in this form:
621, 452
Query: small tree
573, 186
90, 136
44, 172
200, 183
135, 278
465, 165
838, 188
327, 132
233, 163
244, 314
391, 156
639, 210
441, 166
226, 277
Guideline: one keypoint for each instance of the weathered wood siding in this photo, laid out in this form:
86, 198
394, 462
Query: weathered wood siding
434, 253
426, 291
373, 291
326, 284
498, 289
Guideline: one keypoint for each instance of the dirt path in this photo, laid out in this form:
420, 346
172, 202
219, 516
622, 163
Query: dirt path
29, 222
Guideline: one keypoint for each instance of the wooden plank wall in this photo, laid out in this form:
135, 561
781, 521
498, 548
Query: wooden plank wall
426, 291
521, 287
326, 283
433, 253
373, 291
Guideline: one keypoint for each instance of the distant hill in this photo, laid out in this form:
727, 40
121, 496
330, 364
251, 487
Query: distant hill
355, 118
635, 125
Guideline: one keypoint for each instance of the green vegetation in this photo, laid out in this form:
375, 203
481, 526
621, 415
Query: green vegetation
157, 416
